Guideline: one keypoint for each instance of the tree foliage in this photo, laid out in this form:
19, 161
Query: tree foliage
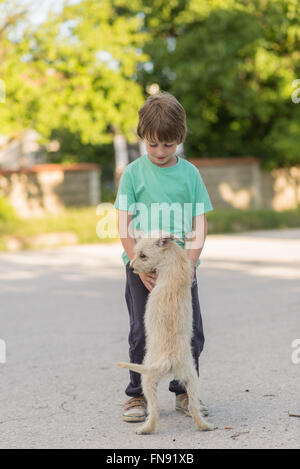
76, 71
84, 72
232, 64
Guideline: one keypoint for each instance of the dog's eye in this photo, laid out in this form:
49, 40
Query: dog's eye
142, 256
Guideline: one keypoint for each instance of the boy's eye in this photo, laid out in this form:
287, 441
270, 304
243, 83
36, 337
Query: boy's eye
166, 145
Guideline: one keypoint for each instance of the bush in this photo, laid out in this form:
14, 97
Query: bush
7, 212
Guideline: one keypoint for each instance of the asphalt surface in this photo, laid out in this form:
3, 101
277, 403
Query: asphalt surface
64, 321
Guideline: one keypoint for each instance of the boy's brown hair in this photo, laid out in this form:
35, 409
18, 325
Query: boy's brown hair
162, 117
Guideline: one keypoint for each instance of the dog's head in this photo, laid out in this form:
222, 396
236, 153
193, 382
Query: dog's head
150, 253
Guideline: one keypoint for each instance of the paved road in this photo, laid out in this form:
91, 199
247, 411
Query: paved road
64, 320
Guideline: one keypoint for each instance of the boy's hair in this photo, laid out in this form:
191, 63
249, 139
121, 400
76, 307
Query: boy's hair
162, 117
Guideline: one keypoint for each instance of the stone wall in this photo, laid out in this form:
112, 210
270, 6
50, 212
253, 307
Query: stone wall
48, 188
240, 183
281, 188
231, 183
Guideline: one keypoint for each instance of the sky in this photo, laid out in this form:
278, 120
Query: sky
38, 12
40, 9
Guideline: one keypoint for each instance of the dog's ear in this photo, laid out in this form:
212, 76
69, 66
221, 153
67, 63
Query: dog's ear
164, 241
138, 234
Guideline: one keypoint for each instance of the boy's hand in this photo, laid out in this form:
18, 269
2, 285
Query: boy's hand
149, 279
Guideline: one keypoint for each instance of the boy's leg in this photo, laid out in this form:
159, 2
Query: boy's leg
197, 339
136, 295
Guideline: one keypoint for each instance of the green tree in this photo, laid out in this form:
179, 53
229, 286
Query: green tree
232, 64
83, 73
76, 71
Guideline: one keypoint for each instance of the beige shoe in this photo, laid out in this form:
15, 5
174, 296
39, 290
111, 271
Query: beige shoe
135, 409
182, 404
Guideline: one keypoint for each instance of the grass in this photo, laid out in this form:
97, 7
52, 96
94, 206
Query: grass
237, 221
83, 221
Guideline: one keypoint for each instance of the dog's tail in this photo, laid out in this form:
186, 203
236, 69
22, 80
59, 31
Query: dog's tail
163, 365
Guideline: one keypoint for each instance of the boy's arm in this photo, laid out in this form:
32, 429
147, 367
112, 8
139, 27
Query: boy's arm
124, 218
195, 245
128, 244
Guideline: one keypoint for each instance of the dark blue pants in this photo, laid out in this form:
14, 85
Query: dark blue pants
136, 295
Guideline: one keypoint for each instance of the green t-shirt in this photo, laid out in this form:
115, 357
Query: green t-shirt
162, 198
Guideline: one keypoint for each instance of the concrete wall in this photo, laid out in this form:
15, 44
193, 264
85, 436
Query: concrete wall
281, 188
240, 183
48, 188
231, 183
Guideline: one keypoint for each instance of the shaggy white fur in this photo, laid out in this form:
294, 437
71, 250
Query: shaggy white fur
168, 325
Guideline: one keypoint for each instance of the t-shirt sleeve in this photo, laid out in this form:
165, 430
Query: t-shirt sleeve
125, 199
202, 202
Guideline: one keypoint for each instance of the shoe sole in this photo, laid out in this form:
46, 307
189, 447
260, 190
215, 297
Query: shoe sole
133, 419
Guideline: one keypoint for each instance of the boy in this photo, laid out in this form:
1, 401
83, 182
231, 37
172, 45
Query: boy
150, 188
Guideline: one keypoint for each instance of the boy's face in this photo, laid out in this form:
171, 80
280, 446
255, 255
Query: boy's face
161, 153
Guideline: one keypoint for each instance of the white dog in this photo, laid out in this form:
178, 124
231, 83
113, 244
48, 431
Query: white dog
168, 325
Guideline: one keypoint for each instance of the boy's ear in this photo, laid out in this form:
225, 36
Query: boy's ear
164, 241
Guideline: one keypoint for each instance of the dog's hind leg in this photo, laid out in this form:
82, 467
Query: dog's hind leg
190, 380
149, 385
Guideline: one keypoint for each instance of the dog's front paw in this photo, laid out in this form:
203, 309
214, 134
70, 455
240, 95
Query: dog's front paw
144, 430
207, 427
202, 424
